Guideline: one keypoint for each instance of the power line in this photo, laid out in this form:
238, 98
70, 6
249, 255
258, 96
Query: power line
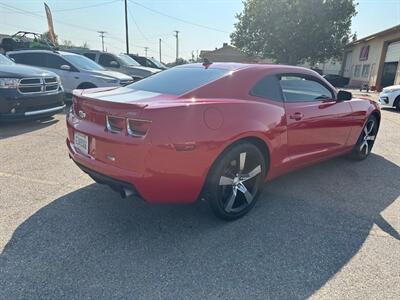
87, 6
176, 18
137, 26
43, 17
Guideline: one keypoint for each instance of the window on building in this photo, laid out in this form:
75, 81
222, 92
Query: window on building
365, 71
357, 71
364, 52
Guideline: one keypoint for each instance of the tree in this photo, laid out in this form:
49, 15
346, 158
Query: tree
294, 31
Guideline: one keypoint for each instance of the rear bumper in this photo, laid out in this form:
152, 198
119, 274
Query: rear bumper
115, 184
150, 186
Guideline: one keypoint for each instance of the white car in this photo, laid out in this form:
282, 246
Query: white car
390, 96
76, 71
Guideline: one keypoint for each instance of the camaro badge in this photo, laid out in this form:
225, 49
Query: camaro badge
82, 114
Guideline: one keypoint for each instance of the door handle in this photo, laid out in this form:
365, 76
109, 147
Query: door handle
296, 116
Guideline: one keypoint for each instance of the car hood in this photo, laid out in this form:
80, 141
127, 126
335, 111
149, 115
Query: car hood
21, 71
147, 69
390, 88
111, 74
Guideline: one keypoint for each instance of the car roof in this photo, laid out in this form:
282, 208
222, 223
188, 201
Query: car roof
42, 51
239, 66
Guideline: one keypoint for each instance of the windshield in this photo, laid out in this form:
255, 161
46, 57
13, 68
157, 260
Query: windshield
5, 60
177, 81
127, 60
82, 62
157, 63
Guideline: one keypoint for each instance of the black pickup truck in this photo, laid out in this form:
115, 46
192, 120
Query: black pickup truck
28, 92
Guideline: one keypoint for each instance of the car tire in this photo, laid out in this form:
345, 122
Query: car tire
366, 141
396, 103
235, 180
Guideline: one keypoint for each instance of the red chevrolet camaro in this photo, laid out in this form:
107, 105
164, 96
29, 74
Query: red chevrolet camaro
215, 132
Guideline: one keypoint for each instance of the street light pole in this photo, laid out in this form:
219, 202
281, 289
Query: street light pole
126, 27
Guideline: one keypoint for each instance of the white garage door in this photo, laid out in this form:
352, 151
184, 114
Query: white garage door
393, 52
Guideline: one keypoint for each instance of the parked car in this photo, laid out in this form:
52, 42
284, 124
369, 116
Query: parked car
27, 92
215, 132
390, 96
119, 62
75, 71
148, 62
337, 80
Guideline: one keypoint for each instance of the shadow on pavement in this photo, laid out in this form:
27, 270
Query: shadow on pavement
390, 109
14, 128
305, 228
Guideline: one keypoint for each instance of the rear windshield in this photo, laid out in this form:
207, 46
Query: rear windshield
177, 81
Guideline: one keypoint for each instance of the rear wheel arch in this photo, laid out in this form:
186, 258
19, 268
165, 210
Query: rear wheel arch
257, 141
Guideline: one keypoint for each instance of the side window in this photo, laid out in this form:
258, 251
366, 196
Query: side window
268, 88
54, 61
92, 56
140, 60
31, 59
106, 59
298, 88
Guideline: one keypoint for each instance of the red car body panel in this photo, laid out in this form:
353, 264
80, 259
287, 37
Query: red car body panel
188, 132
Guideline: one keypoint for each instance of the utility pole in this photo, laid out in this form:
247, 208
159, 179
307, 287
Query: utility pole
102, 39
177, 44
159, 46
145, 51
126, 27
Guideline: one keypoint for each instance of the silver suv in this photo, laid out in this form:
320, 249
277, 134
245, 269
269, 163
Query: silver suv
119, 62
75, 71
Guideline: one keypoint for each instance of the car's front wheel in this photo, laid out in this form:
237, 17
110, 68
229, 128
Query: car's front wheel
235, 181
366, 140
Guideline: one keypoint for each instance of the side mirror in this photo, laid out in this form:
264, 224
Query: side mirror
343, 96
114, 64
65, 67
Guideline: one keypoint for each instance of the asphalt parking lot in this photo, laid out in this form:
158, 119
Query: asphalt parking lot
327, 231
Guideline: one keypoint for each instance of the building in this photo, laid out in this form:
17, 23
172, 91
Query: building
331, 66
227, 53
374, 60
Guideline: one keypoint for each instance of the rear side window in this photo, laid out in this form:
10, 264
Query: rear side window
268, 88
92, 56
106, 59
31, 59
177, 81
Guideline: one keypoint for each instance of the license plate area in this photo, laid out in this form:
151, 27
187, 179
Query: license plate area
81, 142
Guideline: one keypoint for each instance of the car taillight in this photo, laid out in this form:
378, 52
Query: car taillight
137, 128
115, 124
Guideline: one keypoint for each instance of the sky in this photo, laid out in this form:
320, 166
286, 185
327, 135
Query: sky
202, 24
